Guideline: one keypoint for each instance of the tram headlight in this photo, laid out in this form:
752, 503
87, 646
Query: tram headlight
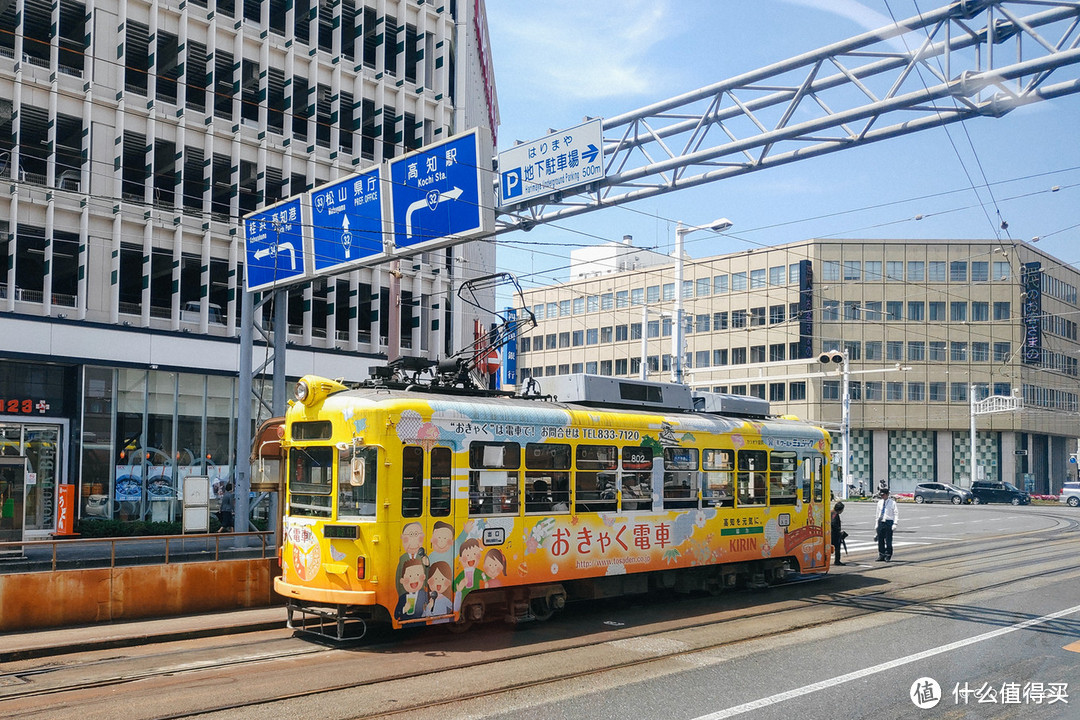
301, 391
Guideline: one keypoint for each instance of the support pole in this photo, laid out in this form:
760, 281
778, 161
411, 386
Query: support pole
644, 342
973, 463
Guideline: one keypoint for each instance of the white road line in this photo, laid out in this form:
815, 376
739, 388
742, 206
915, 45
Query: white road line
840, 679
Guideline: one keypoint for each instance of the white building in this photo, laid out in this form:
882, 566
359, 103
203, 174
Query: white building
133, 138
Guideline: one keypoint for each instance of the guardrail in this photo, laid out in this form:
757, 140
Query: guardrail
50, 555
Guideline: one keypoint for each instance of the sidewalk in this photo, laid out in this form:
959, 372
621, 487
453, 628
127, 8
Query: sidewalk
59, 641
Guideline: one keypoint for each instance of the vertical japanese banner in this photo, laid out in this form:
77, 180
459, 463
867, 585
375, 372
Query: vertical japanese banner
510, 353
1031, 312
65, 510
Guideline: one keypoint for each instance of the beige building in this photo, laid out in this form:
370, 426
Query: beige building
925, 325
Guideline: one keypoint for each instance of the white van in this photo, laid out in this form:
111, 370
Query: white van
190, 313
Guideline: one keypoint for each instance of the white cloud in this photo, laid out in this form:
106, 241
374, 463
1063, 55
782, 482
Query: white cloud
580, 49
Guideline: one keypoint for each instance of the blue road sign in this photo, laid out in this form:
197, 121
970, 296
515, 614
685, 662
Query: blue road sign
436, 193
274, 240
346, 221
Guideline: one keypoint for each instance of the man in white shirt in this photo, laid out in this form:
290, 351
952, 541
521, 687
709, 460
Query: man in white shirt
888, 515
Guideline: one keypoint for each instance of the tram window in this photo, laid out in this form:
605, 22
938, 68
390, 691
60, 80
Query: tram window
547, 477
493, 478
412, 481
311, 477
441, 463
357, 482
594, 481
719, 467
782, 482
681, 480
312, 430
636, 478
753, 468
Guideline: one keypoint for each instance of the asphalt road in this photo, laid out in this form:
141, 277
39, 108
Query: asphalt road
979, 610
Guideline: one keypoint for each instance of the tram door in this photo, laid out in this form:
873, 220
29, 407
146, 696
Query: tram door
813, 496
440, 532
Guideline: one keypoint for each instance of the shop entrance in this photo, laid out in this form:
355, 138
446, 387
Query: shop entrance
32, 457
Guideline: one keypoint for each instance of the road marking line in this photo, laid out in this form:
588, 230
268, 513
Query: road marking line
858, 674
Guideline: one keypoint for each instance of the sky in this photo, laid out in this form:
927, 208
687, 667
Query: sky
558, 61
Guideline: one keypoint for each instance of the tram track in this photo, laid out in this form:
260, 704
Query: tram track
996, 556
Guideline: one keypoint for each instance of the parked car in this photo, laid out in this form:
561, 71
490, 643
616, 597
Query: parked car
1070, 494
941, 492
986, 491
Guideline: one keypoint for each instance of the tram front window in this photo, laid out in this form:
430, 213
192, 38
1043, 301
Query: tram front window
311, 474
357, 482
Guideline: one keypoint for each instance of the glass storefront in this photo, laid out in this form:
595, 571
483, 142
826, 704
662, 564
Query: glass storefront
144, 432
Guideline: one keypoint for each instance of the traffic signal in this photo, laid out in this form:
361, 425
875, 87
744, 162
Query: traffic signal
832, 356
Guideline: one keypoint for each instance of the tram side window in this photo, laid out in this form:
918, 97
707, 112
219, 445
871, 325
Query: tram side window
357, 482
782, 478
493, 478
753, 468
311, 480
681, 479
412, 481
594, 481
636, 478
547, 478
719, 467
441, 465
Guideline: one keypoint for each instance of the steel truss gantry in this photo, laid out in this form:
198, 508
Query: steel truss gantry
972, 58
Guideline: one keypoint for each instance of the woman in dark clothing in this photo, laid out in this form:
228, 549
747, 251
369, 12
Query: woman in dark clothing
837, 533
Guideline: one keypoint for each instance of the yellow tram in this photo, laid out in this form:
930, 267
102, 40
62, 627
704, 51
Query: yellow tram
408, 505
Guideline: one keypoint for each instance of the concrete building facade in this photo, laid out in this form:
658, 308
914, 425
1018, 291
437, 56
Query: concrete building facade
133, 138
926, 326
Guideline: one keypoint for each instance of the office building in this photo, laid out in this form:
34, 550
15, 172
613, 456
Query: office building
924, 325
133, 138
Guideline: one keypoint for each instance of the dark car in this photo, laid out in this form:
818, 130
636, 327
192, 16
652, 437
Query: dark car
986, 491
941, 492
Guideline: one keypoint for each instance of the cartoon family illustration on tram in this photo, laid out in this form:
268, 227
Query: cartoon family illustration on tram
426, 583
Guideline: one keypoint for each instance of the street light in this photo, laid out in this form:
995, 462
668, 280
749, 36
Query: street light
681, 231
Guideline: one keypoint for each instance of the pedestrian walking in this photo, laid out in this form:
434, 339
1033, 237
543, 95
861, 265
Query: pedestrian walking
838, 533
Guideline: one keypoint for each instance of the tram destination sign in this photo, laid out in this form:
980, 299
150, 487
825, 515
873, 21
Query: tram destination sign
554, 163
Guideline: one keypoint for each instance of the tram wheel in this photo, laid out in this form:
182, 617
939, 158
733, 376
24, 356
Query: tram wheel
541, 608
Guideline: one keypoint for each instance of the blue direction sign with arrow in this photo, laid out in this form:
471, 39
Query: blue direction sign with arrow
274, 241
437, 194
346, 221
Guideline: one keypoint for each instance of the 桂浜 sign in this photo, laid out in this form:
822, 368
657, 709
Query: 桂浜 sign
346, 222
442, 193
551, 164
275, 242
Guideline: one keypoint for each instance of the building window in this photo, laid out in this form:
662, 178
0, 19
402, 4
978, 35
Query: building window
621, 333
894, 270
980, 311
980, 352
720, 321
738, 356
894, 391
937, 392
738, 281
687, 289
592, 336
937, 311
620, 366
637, 296
958, 270
704, 287
873, 391
916, 350
564, 340
579, 306
757, 316
935, 271
757, 279
635, 331
738, 319
852, 270
1001, 352
830, 390
577, 338
916, 271
894, 350
776, 352
777, 275
958, 311
550, 342
851, 310
959, 393
1002, 310
592, 303
605, 334
937, 351
720, 357
916, 311
872, 311
652, 294
830, 271
958, 352
830, 311
757, 353
894, 310
606, 301
797, 390
1002, 271
564, 308
669, 292
776, 314
622, 299
980, 271
720, 284
873, 349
